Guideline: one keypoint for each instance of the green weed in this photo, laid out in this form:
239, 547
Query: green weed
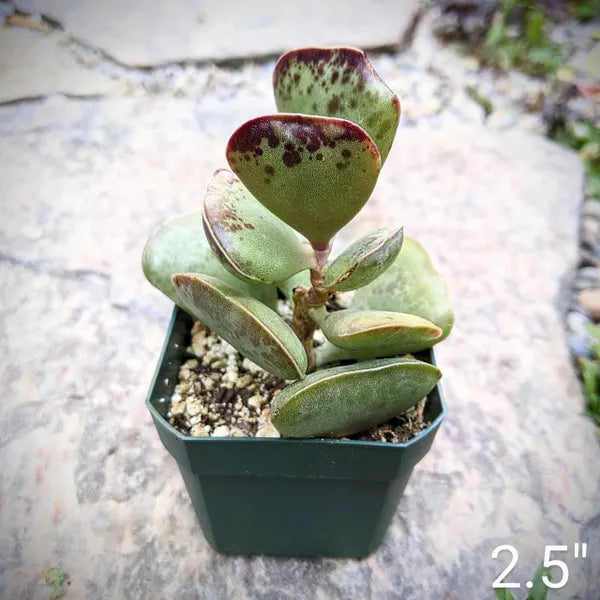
538, 591
584, 10
584, 137
519, 38
56, 578
590, 370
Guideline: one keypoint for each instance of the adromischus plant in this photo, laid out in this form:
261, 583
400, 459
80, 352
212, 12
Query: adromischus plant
301, 172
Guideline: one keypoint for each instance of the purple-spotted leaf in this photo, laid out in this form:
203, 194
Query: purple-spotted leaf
314, 173
363, 261
258, 332
343, 400
249, 240
338, 82
377, 333
411, 285
180, 246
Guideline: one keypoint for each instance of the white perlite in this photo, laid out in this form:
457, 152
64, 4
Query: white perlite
216, 395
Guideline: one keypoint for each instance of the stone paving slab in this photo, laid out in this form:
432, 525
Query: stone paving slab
155, 32
34, 64
85, 483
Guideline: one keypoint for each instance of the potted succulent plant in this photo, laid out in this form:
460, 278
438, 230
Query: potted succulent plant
266, 226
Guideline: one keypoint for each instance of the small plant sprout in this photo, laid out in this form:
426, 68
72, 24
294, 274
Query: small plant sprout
296, 178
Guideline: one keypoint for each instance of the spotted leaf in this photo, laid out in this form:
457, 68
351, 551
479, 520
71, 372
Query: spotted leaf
343, 400
314, 173
363, 261
338, 82
250, 241
180, 246
411, 285
258, 332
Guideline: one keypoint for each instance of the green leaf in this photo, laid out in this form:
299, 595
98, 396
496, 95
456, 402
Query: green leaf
343, 400
590, 372
56, 578
539, 591
327, 353
594, 331
314, 173
254, 329
180, 246
546, 57
411, 285
496, 33
287, 286
503, 594
585, 10
376, 333
594, 185
534, 27
338, 82
363, 261
479, 98
593, 414
246, 237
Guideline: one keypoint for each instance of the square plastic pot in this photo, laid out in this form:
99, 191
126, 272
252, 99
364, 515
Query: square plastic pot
287, 497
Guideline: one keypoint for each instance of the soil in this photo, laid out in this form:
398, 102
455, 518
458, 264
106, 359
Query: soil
221, 393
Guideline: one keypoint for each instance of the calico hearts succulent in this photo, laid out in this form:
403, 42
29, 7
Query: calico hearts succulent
296, 178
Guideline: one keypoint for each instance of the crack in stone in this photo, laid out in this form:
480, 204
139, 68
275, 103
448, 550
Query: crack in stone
233, 62
42, 97
38, 266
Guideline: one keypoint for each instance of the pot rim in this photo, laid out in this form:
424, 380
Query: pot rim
311, 441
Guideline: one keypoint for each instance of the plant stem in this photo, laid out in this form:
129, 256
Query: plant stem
304, 299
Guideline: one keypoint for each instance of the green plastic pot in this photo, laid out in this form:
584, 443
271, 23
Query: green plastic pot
286, 497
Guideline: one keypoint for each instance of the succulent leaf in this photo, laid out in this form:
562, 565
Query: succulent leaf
338, 82
180, 246
254, 329
314, 173
378, 333
411, 285
363, 261
343, 400
327, 353
250, 241
288, 286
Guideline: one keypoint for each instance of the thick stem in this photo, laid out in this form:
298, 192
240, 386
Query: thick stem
321, 254
305, 299
304, 327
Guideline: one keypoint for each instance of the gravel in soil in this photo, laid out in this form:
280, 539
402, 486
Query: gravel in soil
221, 393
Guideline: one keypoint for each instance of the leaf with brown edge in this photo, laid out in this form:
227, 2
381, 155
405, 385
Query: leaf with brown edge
180, 246
314, 173
344, 400
363, 261
258, 332
338, 82
411, 285
377, 333
249, 240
